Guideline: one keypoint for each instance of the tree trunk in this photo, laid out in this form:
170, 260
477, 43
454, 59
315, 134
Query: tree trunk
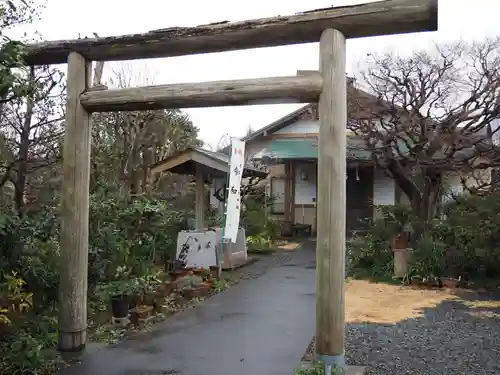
148, 160
424, 205
24, 145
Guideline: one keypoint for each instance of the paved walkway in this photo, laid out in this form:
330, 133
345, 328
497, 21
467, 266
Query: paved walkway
259, 326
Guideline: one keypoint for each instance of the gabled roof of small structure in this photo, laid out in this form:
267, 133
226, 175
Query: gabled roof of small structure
214, 163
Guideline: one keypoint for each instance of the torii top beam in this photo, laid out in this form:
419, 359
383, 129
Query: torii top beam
356, 21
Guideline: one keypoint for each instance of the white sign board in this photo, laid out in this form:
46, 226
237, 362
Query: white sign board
236, 165
197, 249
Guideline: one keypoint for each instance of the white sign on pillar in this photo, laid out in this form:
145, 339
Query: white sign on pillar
236, 165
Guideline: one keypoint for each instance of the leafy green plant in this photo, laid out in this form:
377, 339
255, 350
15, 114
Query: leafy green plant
15, 299
259, 243
369, 254
428, 259
317, 368
190, 281
255, 217
32, 361
471, 230
118, 287
149, 282
110, 335
219, 285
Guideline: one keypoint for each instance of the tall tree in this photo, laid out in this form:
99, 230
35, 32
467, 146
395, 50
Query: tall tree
32, 126
433, 118
127, 143
13, 14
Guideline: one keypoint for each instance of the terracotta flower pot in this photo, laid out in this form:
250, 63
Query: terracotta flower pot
140, 313
201, 291
134, 300
214, 272
399, 242
416, 281
449, 282
167, 288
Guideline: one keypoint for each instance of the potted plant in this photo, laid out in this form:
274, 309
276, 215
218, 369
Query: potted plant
200, 271
214, 272
449, 282
120, 291
120, 300
193, 286
148, 285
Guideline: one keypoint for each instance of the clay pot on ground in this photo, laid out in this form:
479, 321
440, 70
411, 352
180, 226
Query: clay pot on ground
214, 271
449, 282
399, 242
416, 281
176, 274
120, 305
167, 288
199, 271
134, 300
152, 299
432, 282
200, 291
140, 313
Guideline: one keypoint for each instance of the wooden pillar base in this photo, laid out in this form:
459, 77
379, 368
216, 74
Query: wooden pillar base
72, 342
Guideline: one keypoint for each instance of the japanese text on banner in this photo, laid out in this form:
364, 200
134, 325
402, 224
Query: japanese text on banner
236, 166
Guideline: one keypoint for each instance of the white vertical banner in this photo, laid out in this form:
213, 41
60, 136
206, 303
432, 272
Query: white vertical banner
236, 165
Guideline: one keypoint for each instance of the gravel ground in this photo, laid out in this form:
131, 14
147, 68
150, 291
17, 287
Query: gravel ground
444, 332
455, 337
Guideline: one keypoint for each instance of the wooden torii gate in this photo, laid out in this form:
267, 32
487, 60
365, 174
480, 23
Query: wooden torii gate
329, 26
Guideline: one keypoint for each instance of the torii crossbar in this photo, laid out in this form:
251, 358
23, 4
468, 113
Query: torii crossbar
330, 26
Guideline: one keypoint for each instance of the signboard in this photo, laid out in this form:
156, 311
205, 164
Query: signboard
197, 249
233, 205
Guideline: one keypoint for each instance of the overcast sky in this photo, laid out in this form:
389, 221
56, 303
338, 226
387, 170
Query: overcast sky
65, 19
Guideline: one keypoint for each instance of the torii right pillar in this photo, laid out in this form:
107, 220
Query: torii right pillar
331, 231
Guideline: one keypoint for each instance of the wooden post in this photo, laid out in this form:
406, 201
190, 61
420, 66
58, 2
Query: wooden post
75, 211
200, 199
330, 246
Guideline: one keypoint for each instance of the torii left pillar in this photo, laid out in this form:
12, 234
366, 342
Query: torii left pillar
75, 210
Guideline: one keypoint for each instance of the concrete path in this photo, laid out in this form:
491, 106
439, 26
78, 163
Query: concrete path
260, 326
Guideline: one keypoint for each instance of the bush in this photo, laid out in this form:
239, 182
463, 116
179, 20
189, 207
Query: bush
255, 218
465, 242
471, 231
130, 233
369, 254
29, 248
428, 258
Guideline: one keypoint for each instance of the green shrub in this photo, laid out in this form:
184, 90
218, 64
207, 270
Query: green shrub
260, 243
369, 254
428, 258
464, 242
471, 230
130, 233
317, 368
255, 218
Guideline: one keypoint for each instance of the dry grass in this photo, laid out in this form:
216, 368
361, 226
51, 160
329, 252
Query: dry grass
286, 245
388, 304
